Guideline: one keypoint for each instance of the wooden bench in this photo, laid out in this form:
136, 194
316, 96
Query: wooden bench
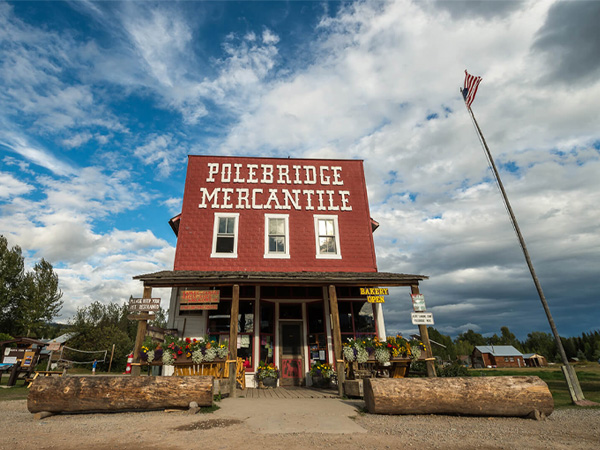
216, 369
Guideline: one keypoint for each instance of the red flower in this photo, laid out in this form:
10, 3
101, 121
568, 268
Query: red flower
194, 340
179, 352
188, 340
389, 345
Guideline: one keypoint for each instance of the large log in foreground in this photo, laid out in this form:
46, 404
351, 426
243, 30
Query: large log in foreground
477, 396
102, 394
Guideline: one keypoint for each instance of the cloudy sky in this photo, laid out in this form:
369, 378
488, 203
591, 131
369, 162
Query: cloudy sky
101, 102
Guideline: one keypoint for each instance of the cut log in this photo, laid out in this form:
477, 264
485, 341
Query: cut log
477, 396
99, 394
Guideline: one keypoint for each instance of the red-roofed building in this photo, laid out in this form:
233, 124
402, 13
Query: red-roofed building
288, 244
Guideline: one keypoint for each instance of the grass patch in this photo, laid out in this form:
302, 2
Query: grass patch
362, 410
17, 392
587, 374
209, 409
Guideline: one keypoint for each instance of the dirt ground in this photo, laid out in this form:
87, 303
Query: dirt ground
254, 426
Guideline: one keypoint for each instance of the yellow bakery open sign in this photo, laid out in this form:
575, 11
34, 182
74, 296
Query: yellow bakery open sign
374, 295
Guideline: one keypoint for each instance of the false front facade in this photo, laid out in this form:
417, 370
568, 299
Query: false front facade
271, 257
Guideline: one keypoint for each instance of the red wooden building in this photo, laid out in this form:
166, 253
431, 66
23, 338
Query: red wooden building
287, 244
497, 356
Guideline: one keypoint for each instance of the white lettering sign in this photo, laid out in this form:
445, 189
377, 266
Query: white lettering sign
276, 198
422, 318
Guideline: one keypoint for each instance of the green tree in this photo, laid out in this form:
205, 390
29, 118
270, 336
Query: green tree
42, 300
99, 326
508, 338
28, 300
541, 343
160, 318
472, 338
463, 348
12, 273
569, 346
448, 353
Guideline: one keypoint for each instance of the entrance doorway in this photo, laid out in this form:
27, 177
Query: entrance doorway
291, 357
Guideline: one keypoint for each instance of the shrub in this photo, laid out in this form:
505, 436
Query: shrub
455, 370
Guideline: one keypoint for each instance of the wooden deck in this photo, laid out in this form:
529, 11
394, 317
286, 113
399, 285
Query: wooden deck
287, 393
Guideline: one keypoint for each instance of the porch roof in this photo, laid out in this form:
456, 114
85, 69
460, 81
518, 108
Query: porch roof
173, 278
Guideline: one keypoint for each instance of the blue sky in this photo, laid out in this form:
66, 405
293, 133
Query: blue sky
103, 101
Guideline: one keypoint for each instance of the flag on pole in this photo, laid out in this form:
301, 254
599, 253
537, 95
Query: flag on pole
470, 89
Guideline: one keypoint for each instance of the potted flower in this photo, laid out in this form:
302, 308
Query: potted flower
267, 375
416, 348
321, 374
149, 353
192, 350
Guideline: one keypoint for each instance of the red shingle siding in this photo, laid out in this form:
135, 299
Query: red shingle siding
195, 238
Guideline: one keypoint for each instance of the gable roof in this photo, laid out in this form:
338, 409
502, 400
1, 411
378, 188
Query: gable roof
499, 350
532, 355
62, 338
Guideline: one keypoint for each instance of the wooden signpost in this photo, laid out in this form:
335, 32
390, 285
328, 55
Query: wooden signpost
429, 361
141, 306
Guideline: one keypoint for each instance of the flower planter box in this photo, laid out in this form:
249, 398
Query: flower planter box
321, 382
267, 382
217, 368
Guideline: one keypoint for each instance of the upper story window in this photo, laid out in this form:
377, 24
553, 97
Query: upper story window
327, 237
277, 236
225, 235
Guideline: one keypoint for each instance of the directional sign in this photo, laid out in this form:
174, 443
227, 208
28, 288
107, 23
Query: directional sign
144, 304
422, 318
53, 346
418, 301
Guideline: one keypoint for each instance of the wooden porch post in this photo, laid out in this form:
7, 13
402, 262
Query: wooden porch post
139, 337
233, 334
425, 338
337, 339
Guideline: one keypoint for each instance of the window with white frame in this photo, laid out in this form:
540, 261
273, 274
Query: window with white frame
327, 236
277, 236
225, 234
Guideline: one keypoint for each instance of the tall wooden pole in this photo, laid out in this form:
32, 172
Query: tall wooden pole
429, 362
570, 375
112, 353
337, 339
233, 335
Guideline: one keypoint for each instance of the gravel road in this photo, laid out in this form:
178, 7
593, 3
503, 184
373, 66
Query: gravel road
565, 428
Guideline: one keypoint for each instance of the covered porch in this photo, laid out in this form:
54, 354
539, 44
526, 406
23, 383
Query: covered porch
278, 311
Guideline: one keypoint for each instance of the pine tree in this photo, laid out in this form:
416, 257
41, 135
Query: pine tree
28, 300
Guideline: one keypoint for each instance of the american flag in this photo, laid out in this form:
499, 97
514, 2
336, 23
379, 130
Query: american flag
470, 89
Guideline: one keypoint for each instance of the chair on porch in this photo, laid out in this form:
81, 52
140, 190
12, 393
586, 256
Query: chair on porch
240, 374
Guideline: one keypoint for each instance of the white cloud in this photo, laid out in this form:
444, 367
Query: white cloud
91, 264
10, 186
164, 152
174, 204
37, 155
376, 81
77, 140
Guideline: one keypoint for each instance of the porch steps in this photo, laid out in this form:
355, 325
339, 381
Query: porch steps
287, 393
